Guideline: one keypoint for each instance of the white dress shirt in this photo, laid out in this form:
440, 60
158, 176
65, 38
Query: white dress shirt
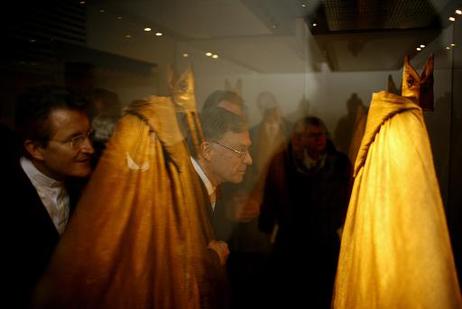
211, 189
52, 193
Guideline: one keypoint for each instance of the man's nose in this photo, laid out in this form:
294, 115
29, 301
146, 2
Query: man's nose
248, 158
87, 146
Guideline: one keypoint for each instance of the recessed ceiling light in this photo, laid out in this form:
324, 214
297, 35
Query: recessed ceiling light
419, 49
128, 36
119, 17
452, 18
32, 40
315, 24
208, 54
159, 34
448, 48
186, 55
303, 5
82, 2
215, 56
147, 29
453, 44
422, 46
101, 11
459, 12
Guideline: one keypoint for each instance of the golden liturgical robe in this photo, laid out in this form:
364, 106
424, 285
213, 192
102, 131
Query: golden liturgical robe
139, 236
395, 250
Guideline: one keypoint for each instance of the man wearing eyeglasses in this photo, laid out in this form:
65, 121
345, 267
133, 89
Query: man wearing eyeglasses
42, 183
223, 157
306, 195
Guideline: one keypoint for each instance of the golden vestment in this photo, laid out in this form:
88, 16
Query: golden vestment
139, 236
395, 250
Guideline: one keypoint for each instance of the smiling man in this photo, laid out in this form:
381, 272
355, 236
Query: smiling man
42, 183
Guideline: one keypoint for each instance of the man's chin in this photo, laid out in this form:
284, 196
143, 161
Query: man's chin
82, 172
237, 179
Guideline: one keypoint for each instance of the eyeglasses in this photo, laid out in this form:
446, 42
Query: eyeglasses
76, 141
240, 154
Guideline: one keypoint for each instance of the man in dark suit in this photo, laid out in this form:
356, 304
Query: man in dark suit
42, 186
306, 195
223, 157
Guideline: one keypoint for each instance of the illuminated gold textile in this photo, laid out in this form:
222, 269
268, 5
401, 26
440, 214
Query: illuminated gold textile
395, 250
139, 236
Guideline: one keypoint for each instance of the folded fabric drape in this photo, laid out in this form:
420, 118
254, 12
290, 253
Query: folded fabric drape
139, 235
395, 250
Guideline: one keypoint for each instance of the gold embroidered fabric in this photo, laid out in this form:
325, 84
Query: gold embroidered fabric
395, 250
139, 235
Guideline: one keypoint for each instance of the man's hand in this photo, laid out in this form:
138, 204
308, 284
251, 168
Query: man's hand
221, 248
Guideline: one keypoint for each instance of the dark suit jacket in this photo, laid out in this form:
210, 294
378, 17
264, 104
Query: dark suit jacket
216, 285
30, 237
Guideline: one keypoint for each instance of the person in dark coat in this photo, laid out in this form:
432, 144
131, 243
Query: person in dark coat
305, 200
42, 184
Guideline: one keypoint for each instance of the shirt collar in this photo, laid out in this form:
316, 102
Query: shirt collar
37, 177
208, 184
310, 162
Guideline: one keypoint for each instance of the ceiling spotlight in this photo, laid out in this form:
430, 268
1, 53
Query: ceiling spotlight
453, 44
448, 48
422, 46
185, 55
128, 36
101, 11
452, 18
459, 12
208, 54
315, 24
303, 5
215, 56
147, 29
159, 34
419, 49
82, 2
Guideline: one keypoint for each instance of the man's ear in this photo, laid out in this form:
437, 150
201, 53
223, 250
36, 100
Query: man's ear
34, 149
206, 150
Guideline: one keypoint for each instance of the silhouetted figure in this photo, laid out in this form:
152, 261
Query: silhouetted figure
249, 246
305, 198
105, 111
345, 127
